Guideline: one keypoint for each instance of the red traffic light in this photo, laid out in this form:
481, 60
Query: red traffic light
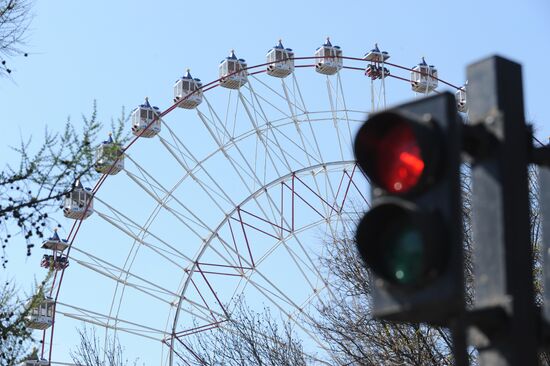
397, 153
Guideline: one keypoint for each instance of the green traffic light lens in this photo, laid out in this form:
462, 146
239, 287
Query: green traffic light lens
403, 245
404, 254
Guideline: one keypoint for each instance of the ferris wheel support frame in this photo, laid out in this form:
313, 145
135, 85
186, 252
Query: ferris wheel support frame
57, 281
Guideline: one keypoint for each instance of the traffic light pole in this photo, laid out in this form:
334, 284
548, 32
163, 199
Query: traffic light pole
502, 253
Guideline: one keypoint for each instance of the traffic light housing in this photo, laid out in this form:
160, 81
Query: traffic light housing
411, 238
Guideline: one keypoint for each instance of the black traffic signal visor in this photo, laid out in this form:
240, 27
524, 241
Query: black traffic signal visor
399, 154
403, 245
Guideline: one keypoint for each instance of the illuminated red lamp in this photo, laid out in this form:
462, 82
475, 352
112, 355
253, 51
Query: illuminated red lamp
397, 153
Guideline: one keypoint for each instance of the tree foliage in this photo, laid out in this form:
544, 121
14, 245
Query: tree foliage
15, 336
15, 19
34, 188
249, 338
91, 352
355, 338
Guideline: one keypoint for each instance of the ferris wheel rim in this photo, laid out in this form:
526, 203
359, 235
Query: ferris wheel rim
77, 223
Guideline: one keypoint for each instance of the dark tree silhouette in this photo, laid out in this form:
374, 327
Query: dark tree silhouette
31, 190
15, 19
91, 352
248, 338
15, 336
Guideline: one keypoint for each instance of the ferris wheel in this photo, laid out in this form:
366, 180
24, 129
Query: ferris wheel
231, 193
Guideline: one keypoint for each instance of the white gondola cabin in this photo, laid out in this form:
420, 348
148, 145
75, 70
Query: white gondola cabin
375, 55
41, 317
328, 59
423, 77
78, 203
37, 362
188, 90
143, 116
280, 61
233, 73
461, 95
55, 243
109, 157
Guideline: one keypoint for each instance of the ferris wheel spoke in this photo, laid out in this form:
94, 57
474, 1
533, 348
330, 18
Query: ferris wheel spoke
184, 219
203, 312
136, 237
118, 278
190, 216
313, 267
335, 118
383, 85
344, 105
261, 139
268, 124
314, 296
239, 170
329, 193
381, 100
217, 123
311, 159
308, 120
289, 315
283, 96
244, 262
332, 225
114, 272
211, 192
185, 156
275, 290
297, 122
106, 321
233, 256
197, 165
308, 262
236, 166
222, 133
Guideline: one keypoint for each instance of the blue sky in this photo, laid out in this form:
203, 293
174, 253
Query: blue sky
119, 52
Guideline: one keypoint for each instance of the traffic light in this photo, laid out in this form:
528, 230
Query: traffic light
411, 238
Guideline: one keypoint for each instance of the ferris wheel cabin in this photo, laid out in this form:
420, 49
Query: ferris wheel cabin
461, 95
189, 91
423, 77
143, 116
109, 157
55, 243
78, 203
37, 362
280, 61
41, 317
328, 59
233, 73
375, 55
375, 71
54, 261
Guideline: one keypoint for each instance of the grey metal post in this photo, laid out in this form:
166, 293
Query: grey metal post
500, 204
